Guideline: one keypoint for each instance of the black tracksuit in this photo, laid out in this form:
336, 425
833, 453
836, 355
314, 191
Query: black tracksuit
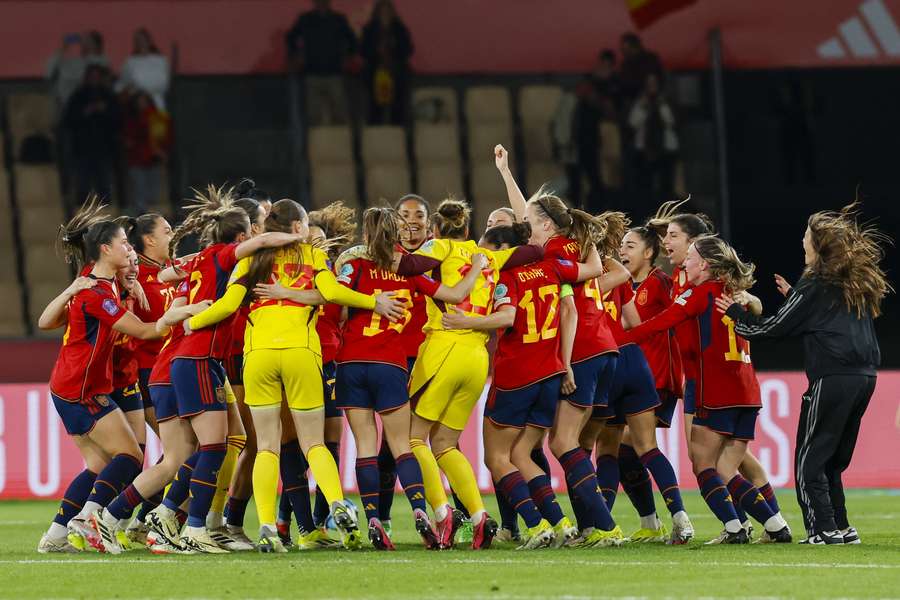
841, 356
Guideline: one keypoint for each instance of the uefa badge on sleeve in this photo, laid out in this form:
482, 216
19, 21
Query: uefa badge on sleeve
110, 306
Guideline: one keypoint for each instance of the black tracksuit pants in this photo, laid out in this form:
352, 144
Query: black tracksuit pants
832, 410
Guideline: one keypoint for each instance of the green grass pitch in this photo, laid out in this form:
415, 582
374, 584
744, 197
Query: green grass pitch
759, 571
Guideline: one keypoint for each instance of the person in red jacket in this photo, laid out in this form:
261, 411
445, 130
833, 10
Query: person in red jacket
727, 395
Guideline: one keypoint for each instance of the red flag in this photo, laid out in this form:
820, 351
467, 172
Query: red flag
646, 12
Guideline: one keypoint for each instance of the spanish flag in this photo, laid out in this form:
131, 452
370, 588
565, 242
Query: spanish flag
646, 12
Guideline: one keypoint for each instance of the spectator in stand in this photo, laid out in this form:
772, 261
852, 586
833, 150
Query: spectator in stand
656, 147
146, 70
65, 69
93, 123
386, 50
599, 97
322, 47
148, 139
637, 64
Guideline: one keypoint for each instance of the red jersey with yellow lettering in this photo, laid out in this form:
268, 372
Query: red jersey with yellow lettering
613, 301
83, 368
652, 296
414, 333
160, 374
159, 297
124, 357
683, 332
592, 336
208, 275
726, 378
528, 351
328, 326
367, 336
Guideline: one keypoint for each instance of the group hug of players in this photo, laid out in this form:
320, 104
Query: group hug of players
246, 357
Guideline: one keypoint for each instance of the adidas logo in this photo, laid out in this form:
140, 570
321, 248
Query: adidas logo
418, 496
854, 40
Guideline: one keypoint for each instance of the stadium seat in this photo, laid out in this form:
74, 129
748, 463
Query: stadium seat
39, 295
437, 142
435, 105
12, 319
540, 173
484, 136
44, 265
538, 102
39, 225
384, 145
26, 114
37, 185
332, 182
488, 103
386, 182
330, 145
488, 193
437, 181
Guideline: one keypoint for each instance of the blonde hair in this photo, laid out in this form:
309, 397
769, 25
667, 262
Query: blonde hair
578, 225
338, 222
452, 218
724, 263
848, 256
79, 239
214, 216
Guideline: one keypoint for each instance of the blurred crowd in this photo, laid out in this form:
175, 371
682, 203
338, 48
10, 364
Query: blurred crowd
113, 130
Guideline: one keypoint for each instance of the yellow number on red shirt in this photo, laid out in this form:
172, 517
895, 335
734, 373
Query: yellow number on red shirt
527, 304
592, 290
733, 353
374, 326
196, 278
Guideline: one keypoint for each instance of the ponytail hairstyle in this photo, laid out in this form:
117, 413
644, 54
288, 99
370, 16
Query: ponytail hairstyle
651, 240
725, 264
848, 256
452, 218
660, 221
137, 227
516, 234
338, 222
246, 188
614, 224
382, 232
582, 227
80, 239
249, 206
281, 219
214, 217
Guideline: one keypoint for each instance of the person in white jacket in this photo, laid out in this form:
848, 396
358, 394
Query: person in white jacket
146, 69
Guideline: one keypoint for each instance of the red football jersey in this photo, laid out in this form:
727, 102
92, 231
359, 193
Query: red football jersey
238, 328
367, 337
160, 373
414, 333
726, 377
683, 332
124, 357
528, 351
159, 297
328, 326
84, 366
208, 274
652, 296
593, 336
613, 301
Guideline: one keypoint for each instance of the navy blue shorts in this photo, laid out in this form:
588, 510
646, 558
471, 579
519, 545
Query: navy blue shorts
79, 418
199, 385
633, 388
164, 402
128, 398
376, 386
690, 396
665, 412
737, 423
593, 380
144, 382
234, 369
328, 378
533, 405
